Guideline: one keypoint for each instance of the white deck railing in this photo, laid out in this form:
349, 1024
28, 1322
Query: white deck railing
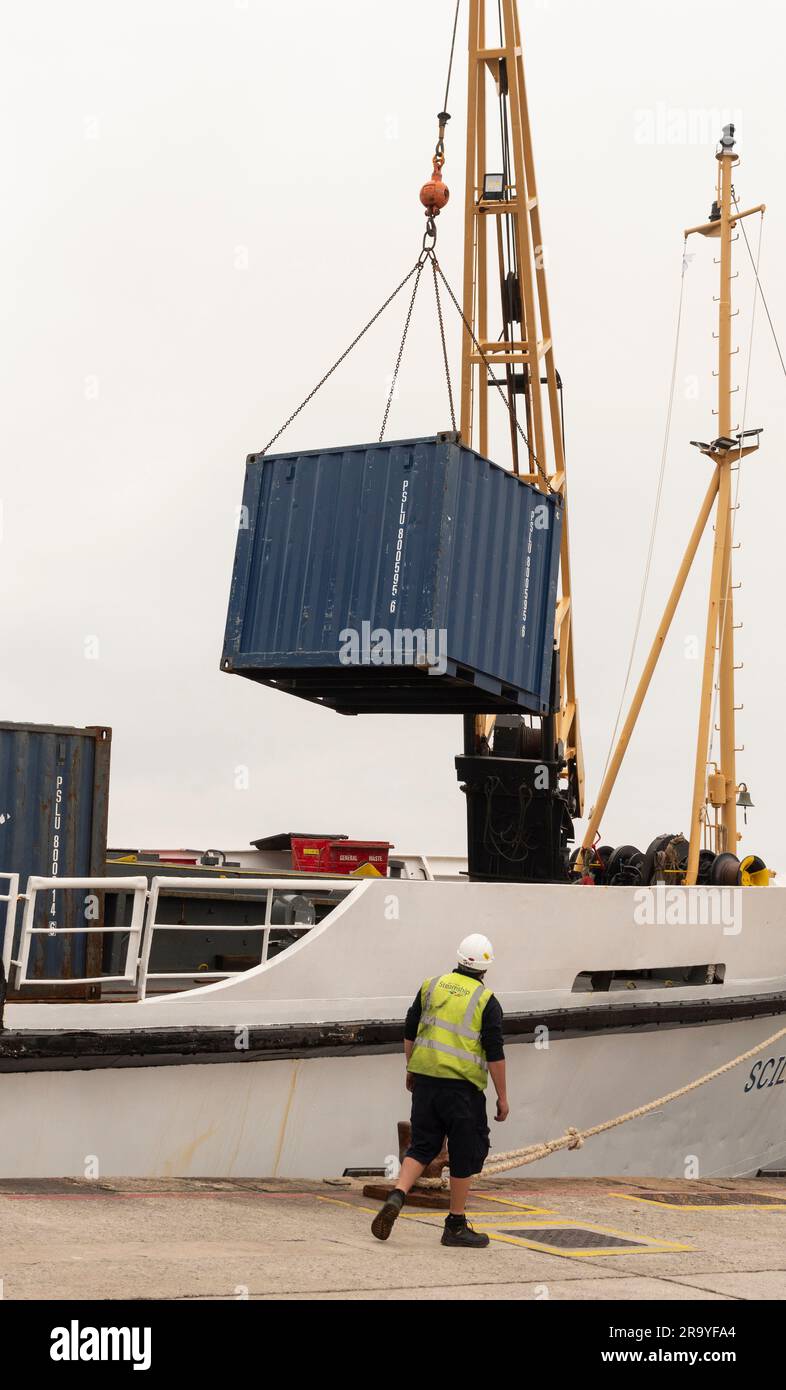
135, 969
11, 897
251, 890
93, 886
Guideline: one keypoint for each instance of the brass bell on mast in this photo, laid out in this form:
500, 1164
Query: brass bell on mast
744, 799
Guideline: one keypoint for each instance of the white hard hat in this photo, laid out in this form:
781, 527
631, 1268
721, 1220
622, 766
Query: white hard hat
476, 952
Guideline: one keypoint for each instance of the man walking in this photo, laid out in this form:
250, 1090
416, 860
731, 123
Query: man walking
452, 1041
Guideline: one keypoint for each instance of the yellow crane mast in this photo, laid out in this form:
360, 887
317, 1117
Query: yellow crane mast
502, 208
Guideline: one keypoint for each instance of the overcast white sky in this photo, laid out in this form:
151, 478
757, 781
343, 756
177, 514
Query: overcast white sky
202, 202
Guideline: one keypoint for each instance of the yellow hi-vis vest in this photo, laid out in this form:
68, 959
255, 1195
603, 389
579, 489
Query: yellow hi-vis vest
448, 1040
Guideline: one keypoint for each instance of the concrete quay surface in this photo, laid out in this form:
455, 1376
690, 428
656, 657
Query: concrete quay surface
194, 1239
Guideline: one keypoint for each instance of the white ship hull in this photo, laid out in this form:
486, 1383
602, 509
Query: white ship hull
295, 1068
312, 1118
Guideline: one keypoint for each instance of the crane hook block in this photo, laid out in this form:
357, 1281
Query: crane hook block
434, 194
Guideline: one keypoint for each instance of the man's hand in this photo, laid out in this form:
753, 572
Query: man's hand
497, 1071
410, 1081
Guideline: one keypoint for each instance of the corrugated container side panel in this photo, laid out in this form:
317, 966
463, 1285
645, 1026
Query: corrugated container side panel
318, 506
333, 577
490, 635
371, 534
445, 541
306, 560
443, 489
258, 598
269, 583
294, 501
457, 558
336, 501
542, 591
550, 595
426, 489
540, 618
485, 562
410, 601
531, 564
241, 598
53, 804
280, 515
507, 547
353, 500
254, 593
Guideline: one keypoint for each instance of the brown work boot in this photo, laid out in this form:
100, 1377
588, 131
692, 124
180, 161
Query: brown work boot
385, 1218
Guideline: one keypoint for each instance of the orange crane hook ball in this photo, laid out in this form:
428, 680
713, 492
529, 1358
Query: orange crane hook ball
434, 194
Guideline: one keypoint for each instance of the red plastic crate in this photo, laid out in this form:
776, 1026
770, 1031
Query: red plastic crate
339, 856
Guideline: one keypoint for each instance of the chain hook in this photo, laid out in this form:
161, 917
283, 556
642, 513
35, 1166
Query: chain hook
430, 236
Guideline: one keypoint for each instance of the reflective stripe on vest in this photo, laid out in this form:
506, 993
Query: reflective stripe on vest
451, 1004
454, 1051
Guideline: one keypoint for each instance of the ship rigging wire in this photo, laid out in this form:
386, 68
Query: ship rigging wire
759, 284
738, 479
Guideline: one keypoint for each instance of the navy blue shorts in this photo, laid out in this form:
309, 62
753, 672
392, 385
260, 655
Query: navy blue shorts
455, 1109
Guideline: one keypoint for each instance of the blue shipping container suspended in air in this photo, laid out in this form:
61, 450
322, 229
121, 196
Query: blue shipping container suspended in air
412, 576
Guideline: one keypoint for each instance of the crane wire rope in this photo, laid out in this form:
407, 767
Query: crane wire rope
452, 49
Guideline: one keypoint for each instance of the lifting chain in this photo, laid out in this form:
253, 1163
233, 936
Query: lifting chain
419, 271
416, 268
427, 254
435, 267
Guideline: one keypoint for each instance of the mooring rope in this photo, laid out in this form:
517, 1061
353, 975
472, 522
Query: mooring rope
574, 1138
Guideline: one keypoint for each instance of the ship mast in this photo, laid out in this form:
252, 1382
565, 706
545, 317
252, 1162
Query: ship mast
713, 822
501, 206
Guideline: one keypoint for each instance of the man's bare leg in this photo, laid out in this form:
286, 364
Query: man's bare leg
385, 1218
459, 1191
409, 1173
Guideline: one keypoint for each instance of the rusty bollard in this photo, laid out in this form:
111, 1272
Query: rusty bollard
419, 1195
